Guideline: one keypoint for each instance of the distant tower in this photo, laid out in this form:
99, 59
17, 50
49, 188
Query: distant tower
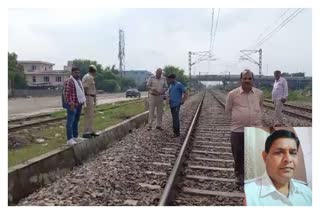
121, 52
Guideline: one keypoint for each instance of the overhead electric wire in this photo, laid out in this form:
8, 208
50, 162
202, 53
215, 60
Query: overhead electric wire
215, 30
279, 27
267, 28
211, 30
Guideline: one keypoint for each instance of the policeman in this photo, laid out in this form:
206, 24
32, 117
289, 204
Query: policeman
91, 101
157, 85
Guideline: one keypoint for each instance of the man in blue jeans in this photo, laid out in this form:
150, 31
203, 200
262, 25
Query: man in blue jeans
177, 96
73, 99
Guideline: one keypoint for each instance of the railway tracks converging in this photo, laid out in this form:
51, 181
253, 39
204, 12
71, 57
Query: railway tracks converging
151, 168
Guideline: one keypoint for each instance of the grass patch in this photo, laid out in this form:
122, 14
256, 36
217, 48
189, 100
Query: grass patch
98, 108
296, 95
55, 136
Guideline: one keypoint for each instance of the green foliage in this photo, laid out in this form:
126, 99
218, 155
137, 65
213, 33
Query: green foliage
266, 92
169, 69
15, 72
83, 65
107, 79
298, 74
126, 83
110, 85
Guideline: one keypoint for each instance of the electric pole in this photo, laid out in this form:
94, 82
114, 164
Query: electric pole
121, 54
246, 56
203, 55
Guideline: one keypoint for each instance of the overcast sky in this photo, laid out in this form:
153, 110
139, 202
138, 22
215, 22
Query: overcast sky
158, 37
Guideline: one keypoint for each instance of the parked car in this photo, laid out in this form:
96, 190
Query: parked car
133, 93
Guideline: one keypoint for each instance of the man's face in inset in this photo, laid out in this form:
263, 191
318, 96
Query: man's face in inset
247, 80
281, 160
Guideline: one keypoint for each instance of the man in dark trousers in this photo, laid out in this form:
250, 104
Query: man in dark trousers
73, 99
245, 105
177, 96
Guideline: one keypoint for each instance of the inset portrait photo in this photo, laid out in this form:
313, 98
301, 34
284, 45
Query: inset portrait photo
278, 166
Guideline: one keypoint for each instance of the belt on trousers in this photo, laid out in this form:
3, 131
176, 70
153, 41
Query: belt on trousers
155, 94
92, 95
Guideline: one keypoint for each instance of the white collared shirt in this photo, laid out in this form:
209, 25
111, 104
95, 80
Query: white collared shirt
261, 192
280, 89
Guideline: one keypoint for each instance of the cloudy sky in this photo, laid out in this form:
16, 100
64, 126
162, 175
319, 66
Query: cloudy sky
158, 37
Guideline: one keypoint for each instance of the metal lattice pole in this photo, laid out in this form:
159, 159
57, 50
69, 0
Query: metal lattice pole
121, 54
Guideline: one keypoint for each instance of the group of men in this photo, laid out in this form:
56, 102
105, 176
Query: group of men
76, 95
79, 94
244, 104
177, 94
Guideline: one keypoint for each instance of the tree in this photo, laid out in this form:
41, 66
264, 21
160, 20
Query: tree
110, 86
83, 65
299, 74
107, 78
169, 69
126, 83
15, 73
102, 77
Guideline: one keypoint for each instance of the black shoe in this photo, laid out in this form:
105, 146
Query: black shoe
94, 134
87, 136
175, 136
160, 128
149, 128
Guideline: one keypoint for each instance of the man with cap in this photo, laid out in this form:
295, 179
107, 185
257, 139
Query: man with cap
91, 101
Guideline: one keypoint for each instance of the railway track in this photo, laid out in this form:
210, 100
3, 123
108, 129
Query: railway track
138, 169
306, 109
133, 171
46, 119
290, 110
203, 173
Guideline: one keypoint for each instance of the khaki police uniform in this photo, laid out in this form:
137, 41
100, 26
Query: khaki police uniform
155, 100
90, 92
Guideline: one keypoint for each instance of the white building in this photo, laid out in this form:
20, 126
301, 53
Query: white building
41, 74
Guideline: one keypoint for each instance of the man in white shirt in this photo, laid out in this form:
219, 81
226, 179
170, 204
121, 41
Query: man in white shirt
279, 96
277, 186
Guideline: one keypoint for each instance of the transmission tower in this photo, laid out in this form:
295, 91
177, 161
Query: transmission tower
121, 54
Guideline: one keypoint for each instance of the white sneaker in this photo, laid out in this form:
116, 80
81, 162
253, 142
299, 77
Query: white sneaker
79, 139
71, 142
